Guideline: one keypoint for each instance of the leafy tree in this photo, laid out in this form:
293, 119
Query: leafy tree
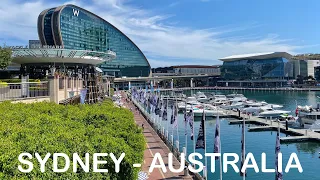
299, 79
5, 57
311, 78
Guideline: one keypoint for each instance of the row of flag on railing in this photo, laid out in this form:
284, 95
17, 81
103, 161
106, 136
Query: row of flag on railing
155, 104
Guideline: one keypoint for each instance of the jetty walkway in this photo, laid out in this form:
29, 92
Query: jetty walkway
243, 89
295, 135
154, 145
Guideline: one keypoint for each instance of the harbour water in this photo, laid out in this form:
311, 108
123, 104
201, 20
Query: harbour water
257, 142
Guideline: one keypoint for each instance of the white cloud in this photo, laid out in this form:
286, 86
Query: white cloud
152, 33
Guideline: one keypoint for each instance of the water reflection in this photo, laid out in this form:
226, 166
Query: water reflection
308, 147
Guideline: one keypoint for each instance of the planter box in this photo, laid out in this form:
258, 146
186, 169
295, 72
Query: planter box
35, 93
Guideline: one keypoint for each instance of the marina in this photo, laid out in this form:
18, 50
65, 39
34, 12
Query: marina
243, 89
259, 130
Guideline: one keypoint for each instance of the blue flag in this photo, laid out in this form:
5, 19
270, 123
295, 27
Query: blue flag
201, 136
277, 151
217, 138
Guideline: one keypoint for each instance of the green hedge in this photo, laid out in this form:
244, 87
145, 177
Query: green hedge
3, 84
48, 127
18, 80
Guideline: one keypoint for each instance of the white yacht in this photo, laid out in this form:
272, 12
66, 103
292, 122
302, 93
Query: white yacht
190, 102
219, 102
198, 112
308, 115
254, 107
233, 105
284, 118
272, 113
201, 97
238, 97
220, 96
314, 126
254, 103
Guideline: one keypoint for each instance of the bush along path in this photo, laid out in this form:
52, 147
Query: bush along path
51, 128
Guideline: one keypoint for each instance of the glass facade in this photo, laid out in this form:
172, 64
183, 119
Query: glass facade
47, 28
244, 69
76, 28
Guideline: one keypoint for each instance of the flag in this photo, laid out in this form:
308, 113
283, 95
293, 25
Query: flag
146, 99
158, 107
189, 118
243, 156
154, 102
201, 136
165, 114
185, 120
277, 151
217, 138
174, 116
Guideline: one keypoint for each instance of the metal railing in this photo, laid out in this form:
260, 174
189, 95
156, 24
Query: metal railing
172, 145
23, 90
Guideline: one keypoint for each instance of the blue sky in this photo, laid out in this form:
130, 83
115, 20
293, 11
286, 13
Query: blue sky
175, 32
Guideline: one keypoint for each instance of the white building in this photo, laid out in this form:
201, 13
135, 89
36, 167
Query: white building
196, 69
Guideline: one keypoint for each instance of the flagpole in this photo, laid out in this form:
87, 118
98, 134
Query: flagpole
176, 109
159, 109
220, 159
186, 126
194, 141
205, 144
244, 145
167, 119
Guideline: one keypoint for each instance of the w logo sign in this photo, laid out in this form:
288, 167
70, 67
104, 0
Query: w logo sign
75, 12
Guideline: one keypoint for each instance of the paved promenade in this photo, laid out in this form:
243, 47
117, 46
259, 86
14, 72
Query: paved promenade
154, 145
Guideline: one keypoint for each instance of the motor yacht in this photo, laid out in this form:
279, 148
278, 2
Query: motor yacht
272, 113
314, 126
198, 112
284, 118
219, 100
201, 97
308, 115
236, 97
233, 105
190, 102
220, 96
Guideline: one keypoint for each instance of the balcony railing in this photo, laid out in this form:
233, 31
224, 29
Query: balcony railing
23, 90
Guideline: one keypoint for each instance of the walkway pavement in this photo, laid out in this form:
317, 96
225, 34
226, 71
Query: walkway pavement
154, 145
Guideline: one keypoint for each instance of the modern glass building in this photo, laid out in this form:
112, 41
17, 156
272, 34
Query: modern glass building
274, 65
75, 28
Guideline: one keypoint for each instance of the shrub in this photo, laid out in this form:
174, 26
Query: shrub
51, 128
19, 80
3, 84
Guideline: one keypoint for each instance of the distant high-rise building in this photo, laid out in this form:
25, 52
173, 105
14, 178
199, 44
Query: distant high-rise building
33, 44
